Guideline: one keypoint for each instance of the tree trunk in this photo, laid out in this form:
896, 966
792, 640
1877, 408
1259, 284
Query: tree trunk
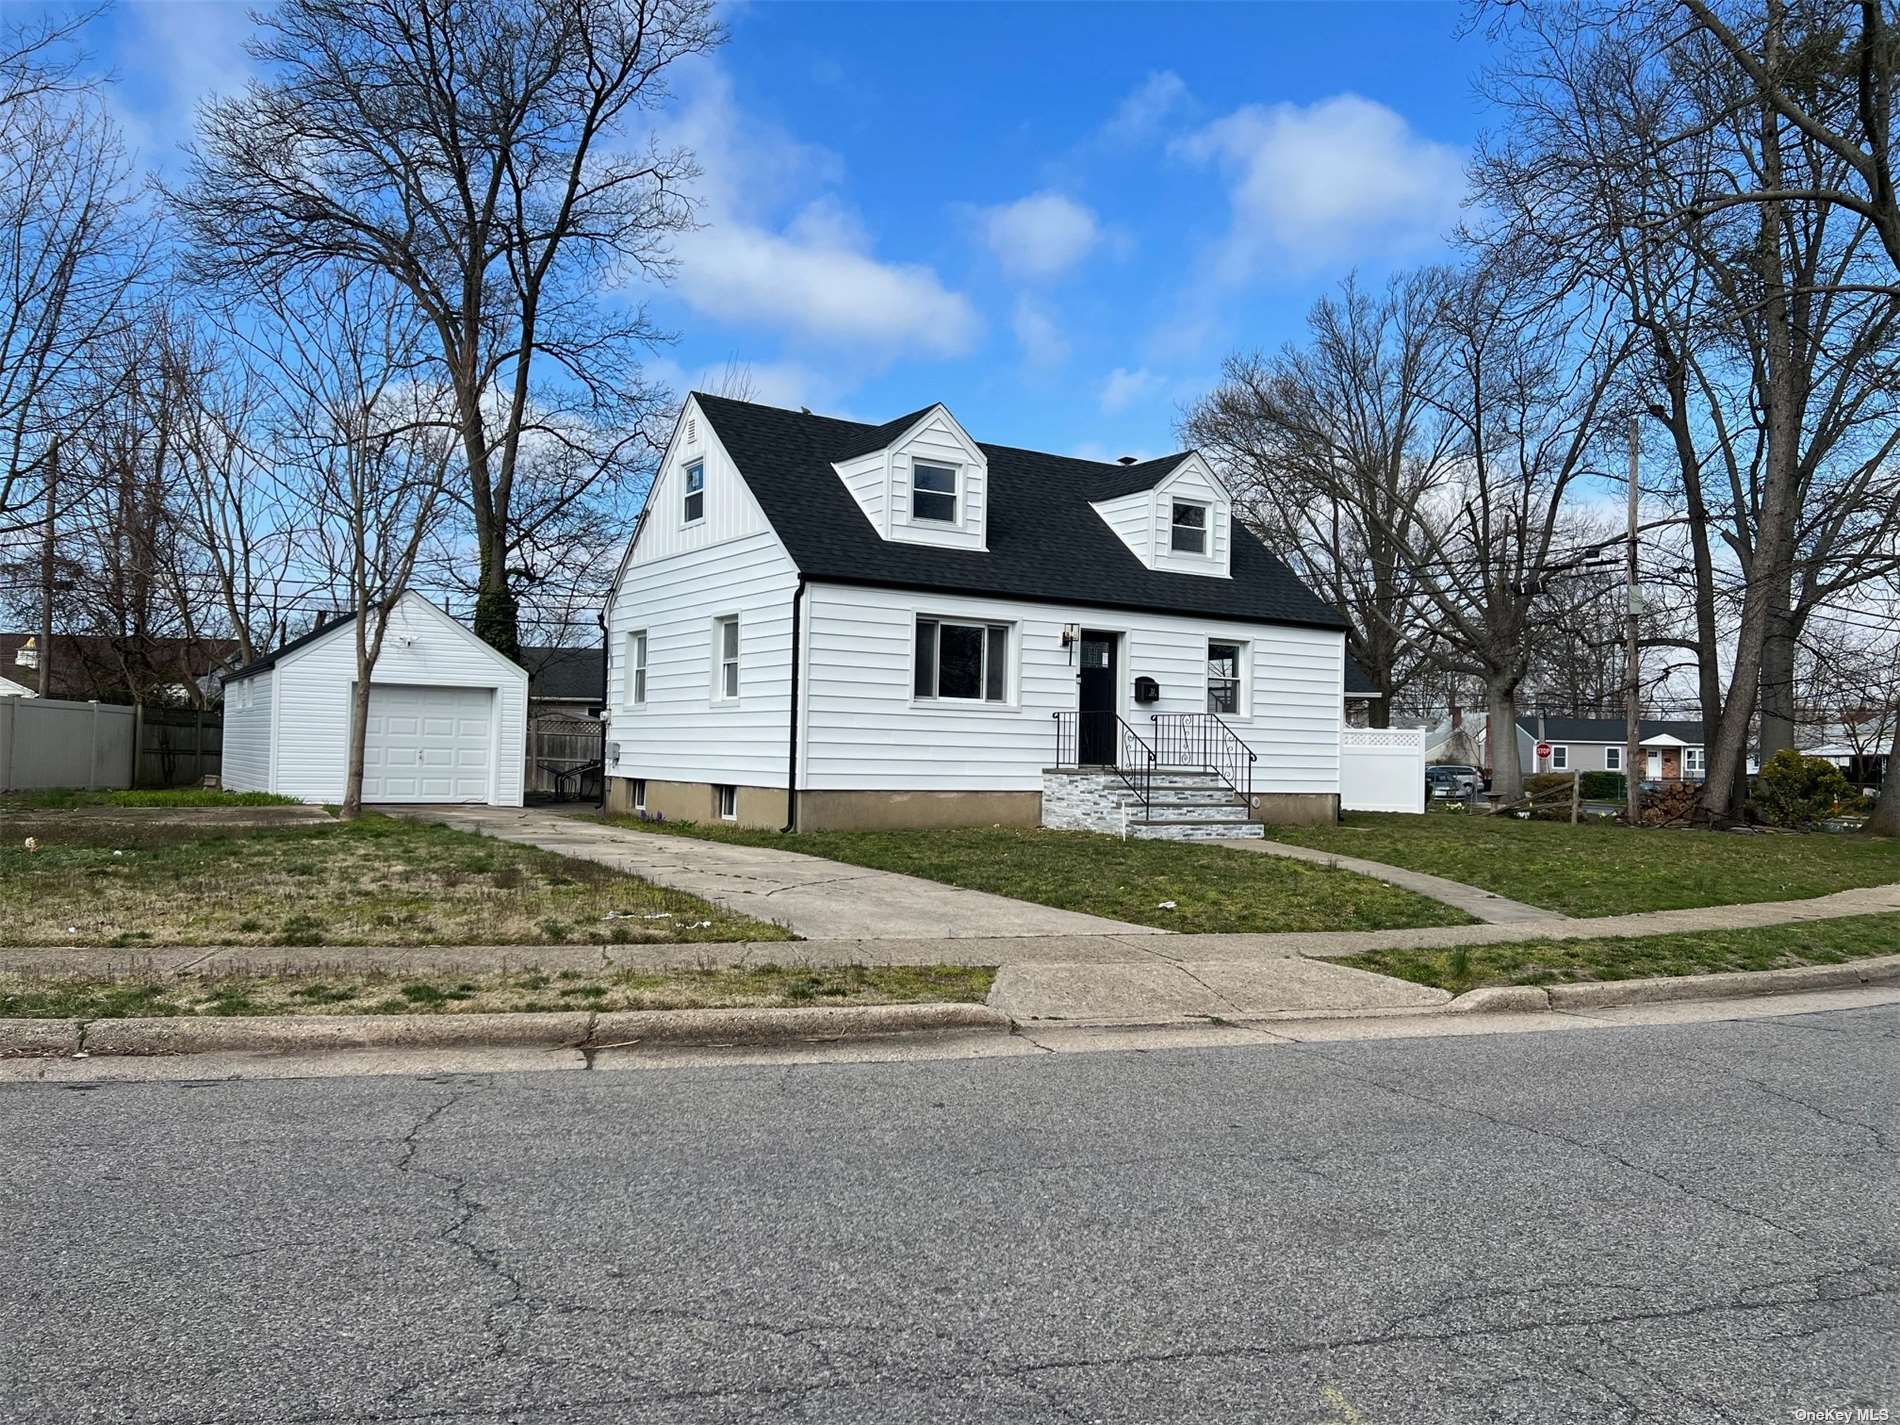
1779, 639
1886, 818
1507, 769
359, 728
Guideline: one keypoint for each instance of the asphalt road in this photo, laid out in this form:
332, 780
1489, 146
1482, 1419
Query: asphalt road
1687, 1224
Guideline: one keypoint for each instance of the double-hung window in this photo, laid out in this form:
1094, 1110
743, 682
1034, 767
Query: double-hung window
1560, 759
965, 662
1189, 532
1695, 762
1612, 759
726, 658
636, 670
693, 508
1223, 678
933, 492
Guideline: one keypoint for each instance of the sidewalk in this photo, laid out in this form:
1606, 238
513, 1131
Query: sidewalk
814, 897
1487, 906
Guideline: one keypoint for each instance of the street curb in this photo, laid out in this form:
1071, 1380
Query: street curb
1733, 984
20, 1038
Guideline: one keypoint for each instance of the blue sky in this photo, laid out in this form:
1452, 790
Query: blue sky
1055, 217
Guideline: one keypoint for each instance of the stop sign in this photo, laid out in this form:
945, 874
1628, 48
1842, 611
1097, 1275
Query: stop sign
1543, 751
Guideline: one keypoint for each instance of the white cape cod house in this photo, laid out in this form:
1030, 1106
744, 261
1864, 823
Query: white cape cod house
821, 624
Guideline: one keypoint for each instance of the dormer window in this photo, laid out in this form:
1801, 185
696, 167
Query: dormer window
693, 509
933, 492
1189, 532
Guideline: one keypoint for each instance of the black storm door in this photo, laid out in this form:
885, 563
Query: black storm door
1096, 740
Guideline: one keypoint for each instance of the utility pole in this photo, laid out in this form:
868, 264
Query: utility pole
48, 564
1633, 706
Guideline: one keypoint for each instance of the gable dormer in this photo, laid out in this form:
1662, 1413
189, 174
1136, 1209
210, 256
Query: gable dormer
1182, 523
922, 481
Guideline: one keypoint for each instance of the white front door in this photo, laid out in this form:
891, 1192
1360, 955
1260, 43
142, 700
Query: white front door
428, 744
1655, 767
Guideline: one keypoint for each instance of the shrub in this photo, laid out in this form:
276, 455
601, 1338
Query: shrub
1793, 790
1604, 786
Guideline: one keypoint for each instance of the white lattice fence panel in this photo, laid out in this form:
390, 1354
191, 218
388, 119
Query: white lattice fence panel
1382, 769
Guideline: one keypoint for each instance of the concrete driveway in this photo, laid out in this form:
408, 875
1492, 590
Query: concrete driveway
814, 897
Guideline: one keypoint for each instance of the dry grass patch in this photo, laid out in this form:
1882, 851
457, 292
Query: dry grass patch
514, 991
377, 881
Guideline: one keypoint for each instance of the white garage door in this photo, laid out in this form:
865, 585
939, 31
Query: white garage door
428, 744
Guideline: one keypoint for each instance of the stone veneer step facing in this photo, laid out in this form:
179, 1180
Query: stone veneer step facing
1184, 805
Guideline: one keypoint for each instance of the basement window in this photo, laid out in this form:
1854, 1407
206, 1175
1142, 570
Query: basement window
728, 802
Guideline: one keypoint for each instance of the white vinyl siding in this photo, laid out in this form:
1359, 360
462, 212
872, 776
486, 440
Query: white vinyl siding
939, 442
865, 729
682, 733
247, 721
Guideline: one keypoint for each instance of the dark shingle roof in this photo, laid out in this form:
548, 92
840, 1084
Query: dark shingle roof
1045, 543
1358, 681
269, 660
573, 674
1610, 729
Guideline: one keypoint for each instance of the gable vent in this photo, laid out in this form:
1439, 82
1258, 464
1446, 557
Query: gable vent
692, 431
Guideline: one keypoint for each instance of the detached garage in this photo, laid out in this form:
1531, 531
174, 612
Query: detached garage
448, 715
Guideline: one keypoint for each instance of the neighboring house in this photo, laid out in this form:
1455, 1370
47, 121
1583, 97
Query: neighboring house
565, 680
88, 666
1671, 751
827, 624
10, 689
447, 715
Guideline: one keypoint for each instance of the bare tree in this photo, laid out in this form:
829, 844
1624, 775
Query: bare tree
473, 156
364, 441
1333, 447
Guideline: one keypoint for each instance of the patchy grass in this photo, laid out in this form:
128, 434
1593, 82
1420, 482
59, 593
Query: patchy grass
61, 798
527, 989
1702, 952
1212, 888
1606, 869
378, 881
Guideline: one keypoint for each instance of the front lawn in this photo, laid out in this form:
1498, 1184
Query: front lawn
1702, 952
1170, 884
523, 990
1605, 869
378, 881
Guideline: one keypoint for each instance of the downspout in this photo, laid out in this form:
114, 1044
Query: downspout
601, 619
791, 759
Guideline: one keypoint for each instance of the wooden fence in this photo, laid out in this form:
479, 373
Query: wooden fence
563, 756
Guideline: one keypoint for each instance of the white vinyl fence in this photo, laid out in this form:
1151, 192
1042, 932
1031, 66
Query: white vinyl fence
46, 742
1382, 769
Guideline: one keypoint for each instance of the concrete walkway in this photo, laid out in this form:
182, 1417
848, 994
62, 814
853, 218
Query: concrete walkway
811, 896
1487, 906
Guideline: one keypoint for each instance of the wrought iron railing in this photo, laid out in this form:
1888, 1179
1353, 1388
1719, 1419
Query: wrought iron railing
1102, 739
1202, 740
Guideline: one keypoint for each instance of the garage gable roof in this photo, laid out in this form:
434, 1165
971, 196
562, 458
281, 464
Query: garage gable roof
410, 600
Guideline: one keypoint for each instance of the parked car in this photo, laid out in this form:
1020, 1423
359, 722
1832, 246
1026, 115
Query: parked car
1452, 782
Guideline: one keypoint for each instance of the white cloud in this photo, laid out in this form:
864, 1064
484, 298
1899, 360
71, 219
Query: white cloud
181, 54
1039, 333
1328, 182
813, 274
1041, 236
1124, 387
1142, 113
